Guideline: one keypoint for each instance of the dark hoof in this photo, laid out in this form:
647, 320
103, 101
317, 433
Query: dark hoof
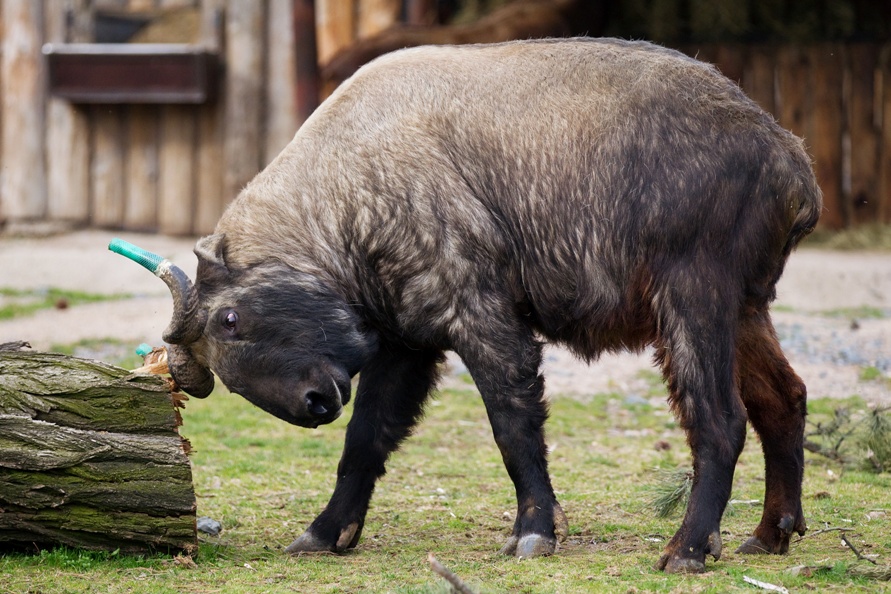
672, 564
753, 546
774, 541
309, 543
538, 545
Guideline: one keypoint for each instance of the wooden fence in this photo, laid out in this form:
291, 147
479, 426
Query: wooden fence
838, 98
173, 168
166, 168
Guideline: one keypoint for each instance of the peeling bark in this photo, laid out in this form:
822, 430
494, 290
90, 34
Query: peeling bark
91, 457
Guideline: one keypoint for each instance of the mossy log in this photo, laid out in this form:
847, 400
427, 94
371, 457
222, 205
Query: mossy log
91, 457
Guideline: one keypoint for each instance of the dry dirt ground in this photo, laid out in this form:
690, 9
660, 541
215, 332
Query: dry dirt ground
833, 314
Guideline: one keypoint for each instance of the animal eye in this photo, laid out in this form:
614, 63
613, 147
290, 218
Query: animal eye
230, 321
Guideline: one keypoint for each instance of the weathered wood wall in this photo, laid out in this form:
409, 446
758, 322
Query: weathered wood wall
173, 168
838, 98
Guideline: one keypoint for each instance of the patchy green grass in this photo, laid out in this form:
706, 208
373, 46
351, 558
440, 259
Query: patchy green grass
447, 493
871, 373
864, 312
19, 302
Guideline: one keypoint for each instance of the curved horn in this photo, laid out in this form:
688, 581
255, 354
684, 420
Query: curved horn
188, 321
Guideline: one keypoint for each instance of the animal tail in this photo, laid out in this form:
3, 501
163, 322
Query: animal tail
803, 190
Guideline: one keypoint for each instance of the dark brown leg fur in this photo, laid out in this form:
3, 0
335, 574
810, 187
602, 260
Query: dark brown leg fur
776, 401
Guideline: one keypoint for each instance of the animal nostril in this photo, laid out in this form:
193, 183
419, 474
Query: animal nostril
314, 404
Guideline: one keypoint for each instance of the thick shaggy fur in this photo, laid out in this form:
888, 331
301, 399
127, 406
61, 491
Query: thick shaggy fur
599, 193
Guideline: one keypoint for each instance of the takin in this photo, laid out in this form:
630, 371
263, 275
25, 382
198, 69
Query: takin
597, 193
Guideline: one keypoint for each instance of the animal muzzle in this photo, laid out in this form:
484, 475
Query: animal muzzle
187, 323
319, 398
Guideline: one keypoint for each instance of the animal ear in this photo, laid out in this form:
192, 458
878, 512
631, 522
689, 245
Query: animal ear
211, 257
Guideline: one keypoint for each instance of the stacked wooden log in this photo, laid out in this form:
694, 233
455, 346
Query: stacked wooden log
90, 457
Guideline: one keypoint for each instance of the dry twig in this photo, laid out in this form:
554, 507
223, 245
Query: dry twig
839, 529
856, 552
457, 584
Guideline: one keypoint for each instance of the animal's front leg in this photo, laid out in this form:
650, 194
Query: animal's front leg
390, 398
506, 373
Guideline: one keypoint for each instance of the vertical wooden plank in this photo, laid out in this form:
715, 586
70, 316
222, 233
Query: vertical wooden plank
107, 148
377, 15
245, 20
140, 211
885, 164
211, 128
306, 62
420, 12
826, 130
23, 188
729, 58
862, 62
758, 76
68, 129
2, 112
336, 27
793, 93
176, 172
281, 116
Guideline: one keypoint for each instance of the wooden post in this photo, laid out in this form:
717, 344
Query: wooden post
107, 166
90, 457
306, 63
758, 79
377, 15
245, 20
730, 60
140, 212
793, 90
864, 198
420, 12
23, 189
826, 136
176, 173
335, 26
281, 117
211, 122
885, 107
68, 128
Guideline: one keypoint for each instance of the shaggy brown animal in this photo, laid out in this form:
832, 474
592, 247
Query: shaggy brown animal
599, 193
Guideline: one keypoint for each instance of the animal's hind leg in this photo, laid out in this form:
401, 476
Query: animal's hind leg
697, 337
776, 401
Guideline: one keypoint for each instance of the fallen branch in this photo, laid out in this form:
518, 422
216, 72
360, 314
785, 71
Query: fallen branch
765, 585
855, 551
457, 584
800, 538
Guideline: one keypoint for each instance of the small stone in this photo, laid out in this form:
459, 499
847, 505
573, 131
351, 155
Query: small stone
208, 526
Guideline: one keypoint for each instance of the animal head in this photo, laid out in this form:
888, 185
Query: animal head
274, 335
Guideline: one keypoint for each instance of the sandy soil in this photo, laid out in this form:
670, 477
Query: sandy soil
829, 351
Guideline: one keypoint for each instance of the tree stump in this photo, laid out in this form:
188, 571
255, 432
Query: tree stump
90, 457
